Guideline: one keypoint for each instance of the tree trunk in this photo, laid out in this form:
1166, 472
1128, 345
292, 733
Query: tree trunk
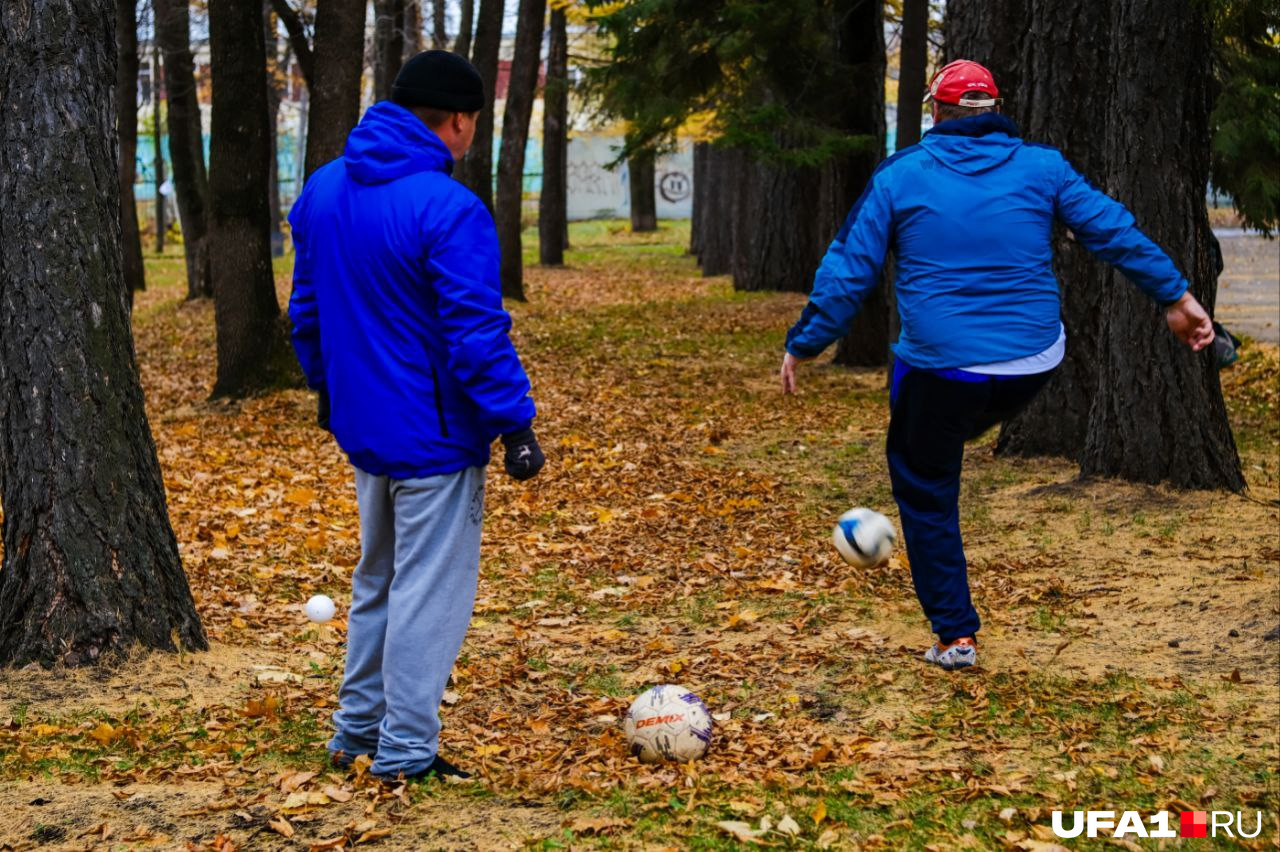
334, 105
157, 134
1123, 371
700, 151
388, 45
861, 46
126, 90
91, 567
1158, 140
768, 254
515, 135
275, 82
247, 313
439, 39
913, 58
725, 171
186, 142
476, 168
552, 205
412, 30
641, 175
462, 45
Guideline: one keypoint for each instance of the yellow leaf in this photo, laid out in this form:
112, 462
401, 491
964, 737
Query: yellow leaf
294, 780
45, 730
105, 734
281, 826
819, 812
301, 497
338, 794
373, 834
266, 707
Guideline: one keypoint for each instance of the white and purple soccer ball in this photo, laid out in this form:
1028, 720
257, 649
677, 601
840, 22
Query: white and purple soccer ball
864, 537
668, 723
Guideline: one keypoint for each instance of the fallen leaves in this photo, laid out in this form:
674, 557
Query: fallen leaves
637, 557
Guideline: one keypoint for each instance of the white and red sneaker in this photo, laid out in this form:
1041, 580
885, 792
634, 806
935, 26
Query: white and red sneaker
959, 654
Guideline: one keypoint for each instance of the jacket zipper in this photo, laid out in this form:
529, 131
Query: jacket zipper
435, 385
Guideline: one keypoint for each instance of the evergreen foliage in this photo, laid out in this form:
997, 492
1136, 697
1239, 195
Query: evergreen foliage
1246, 115
766, 75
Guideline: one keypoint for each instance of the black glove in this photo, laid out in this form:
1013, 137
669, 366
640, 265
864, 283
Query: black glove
524, 457
322, 410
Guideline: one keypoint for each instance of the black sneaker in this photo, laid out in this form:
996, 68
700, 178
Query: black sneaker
438, 768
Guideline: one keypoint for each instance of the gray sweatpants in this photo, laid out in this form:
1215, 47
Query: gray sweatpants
411, 601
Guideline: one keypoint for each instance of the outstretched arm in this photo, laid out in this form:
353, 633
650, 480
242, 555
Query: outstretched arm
1107, 228
849, 271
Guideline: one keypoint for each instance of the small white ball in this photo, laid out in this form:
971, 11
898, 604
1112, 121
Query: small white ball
863, 537
320, 608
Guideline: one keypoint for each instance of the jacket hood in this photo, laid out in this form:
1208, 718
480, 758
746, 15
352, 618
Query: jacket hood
974, 144
391, 142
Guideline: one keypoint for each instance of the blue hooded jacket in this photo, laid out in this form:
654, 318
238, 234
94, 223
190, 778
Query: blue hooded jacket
396, 306
969, 213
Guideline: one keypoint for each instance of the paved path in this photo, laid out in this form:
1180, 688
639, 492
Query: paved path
1249, 288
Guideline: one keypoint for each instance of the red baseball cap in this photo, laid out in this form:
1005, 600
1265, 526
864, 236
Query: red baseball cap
952, 81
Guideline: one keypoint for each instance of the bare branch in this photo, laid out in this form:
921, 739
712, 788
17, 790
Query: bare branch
297, 37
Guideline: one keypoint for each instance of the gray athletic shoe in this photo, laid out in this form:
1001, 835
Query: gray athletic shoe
959, 656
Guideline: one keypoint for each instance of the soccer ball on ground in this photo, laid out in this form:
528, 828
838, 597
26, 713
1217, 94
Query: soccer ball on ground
863, 537
668, 723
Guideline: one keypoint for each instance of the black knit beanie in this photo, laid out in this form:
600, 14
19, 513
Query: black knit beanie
439, 79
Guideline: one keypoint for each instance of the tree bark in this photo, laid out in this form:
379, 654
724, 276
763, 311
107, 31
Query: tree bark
334, 105
412, 29
388, 45
462, 45
1158, 141
1123, 371
641, 175
186, 142
699, 212
157, 135
275, 82
860, 45
515, 135
725, 173
439, 38
91, 567
247, 313
476, 168
775, 228
913, 58
552, 205
126, 91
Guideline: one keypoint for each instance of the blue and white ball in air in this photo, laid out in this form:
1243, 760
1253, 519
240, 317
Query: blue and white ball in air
668, 723
864, 537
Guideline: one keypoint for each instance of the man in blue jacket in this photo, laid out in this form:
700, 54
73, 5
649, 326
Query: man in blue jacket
398, 323
969, 213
